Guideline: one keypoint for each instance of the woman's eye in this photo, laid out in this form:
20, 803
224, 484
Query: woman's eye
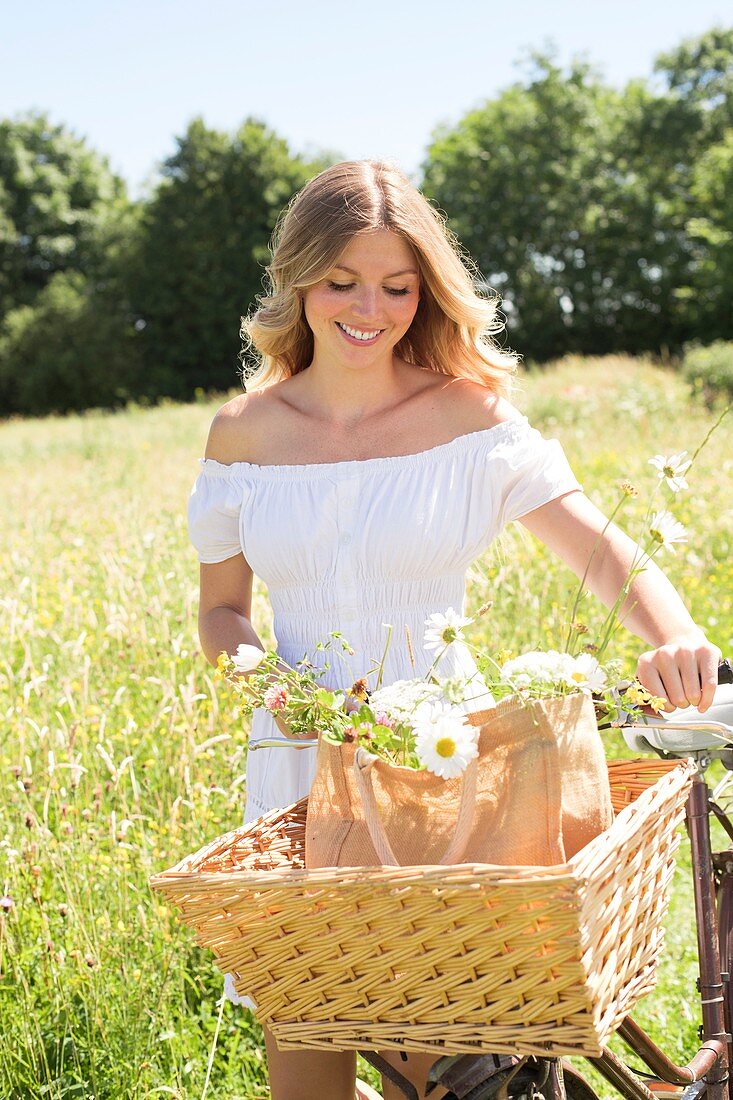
389, 289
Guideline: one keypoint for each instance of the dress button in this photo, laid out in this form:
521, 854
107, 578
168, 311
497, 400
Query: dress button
349, 616
345, 539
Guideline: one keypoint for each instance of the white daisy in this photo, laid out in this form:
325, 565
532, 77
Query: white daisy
587, 674
443, 630
665, 530
672, 469
247, 658
445, 742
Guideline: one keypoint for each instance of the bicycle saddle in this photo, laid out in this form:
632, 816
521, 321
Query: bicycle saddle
685, 730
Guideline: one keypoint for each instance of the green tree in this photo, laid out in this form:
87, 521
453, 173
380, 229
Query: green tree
202, 248
584, 206
635, 249
699, 72
709, 294
74, 348
699, 79
515, 176
54, 190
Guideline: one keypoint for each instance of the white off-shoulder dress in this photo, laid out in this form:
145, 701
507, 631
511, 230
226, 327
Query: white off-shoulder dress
358, 544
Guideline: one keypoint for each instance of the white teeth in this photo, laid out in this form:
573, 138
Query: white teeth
357, 334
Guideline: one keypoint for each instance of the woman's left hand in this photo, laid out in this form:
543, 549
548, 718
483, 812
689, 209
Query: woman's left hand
684, 671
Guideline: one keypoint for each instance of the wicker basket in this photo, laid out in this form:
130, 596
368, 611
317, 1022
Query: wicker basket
465, 958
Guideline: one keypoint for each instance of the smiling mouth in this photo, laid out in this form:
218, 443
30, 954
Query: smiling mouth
367, 336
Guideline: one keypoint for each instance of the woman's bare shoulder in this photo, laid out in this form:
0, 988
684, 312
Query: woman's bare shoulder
239, 425
473, 407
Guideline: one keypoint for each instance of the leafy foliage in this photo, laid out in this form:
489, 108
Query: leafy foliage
54, 191
68, 351
600, 216
709, 370
201, 251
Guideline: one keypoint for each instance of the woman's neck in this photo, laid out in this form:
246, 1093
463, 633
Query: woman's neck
346, 397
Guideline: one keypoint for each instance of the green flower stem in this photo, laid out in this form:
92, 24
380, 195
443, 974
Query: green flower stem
613, 621
380, 670
581, 586
719, 421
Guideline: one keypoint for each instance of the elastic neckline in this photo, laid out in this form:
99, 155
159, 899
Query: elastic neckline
212, 467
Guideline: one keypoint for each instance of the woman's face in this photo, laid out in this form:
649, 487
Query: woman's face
366, 303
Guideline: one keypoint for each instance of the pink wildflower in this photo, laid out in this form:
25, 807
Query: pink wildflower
364, 731
383, 719
276, 697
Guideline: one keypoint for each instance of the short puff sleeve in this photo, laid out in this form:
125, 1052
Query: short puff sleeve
214, 509
529, 471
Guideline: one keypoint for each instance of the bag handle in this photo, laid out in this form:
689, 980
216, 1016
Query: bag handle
364, 762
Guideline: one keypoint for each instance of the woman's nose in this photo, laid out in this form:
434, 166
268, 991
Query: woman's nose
365, 302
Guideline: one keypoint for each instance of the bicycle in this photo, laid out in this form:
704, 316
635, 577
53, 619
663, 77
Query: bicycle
702, 738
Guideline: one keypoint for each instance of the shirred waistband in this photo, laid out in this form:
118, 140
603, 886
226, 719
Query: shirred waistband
325, 604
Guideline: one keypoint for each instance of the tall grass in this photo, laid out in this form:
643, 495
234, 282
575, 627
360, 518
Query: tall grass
119, 753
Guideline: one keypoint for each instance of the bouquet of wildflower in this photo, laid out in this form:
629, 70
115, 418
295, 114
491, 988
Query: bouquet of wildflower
418, 723
295, 697
542, 674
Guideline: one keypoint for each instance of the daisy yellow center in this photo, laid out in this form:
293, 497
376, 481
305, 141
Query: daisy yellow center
449, 634
578, 676
656, 534
668, 471
445, 747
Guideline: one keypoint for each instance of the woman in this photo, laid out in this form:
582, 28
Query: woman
376, 459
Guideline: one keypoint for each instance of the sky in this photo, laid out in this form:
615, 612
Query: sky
358, 78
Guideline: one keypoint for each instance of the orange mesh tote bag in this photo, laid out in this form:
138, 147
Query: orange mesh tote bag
535, 795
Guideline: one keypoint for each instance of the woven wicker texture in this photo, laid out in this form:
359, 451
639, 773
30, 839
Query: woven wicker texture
461, 958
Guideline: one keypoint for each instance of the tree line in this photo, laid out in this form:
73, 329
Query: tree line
603, 217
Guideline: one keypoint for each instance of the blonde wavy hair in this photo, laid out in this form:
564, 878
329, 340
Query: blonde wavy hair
454, 327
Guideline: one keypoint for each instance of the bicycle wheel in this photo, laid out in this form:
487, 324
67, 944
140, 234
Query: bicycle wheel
576, 1085
558, 1078
482, 1077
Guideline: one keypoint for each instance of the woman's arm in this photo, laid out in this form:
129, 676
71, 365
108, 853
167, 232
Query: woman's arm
225, 607
682, 666
225, 587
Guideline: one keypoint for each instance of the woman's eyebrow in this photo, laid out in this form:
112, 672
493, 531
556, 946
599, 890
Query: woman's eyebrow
407, 271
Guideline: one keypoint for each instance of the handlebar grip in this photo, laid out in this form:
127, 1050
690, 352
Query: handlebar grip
725, 671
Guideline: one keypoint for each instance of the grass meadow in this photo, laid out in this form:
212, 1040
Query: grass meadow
119, 753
